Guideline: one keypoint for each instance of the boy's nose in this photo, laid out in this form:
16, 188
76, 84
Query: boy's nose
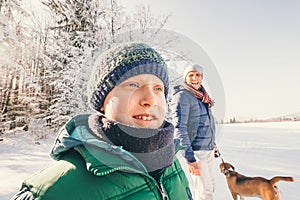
147, 97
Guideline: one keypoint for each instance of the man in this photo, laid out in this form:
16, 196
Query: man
195, 127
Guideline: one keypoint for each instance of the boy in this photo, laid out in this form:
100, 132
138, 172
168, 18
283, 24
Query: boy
126, 149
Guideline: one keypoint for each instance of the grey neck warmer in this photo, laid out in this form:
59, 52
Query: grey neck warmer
153, 147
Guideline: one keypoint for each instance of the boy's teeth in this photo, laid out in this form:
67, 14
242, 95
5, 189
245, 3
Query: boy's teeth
146, 118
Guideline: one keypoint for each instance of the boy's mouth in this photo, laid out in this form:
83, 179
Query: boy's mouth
145, 117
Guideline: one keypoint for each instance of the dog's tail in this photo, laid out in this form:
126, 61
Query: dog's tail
275, 179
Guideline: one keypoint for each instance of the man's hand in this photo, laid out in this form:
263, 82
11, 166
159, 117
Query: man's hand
194, 168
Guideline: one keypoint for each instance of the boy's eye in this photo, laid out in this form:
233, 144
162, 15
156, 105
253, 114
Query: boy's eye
159, 88
135, 85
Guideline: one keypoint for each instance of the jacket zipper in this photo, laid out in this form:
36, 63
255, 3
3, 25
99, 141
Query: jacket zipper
158, 185
162, 191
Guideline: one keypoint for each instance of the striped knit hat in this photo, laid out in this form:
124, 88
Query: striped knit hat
124, 62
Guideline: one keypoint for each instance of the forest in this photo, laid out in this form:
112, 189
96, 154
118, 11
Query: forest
46, 55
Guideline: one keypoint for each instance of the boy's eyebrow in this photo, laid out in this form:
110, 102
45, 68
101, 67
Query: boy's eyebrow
154, 83
142, 81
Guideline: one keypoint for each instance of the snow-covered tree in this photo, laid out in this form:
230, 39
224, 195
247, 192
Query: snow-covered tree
45, 64
71, 42
11, 60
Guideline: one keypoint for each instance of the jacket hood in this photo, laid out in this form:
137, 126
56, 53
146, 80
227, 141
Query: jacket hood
100, 156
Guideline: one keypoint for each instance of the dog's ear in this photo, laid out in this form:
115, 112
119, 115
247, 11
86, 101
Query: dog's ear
232, 167
229, 166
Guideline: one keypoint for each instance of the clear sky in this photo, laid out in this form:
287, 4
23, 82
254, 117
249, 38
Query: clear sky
254, 44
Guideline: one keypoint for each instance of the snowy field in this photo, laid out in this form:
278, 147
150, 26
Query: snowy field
258, 149
261, 149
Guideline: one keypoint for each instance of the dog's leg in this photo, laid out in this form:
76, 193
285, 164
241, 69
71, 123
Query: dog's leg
234, 195
269, 196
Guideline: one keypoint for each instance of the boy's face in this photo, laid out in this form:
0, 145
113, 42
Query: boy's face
138, 101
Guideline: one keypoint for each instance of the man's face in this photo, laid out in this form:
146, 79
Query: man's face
194, 79
138, 101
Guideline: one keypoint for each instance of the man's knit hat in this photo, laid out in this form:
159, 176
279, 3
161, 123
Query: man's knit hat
124, 62
194, 67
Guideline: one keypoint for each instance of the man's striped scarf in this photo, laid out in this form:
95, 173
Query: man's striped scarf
200, 94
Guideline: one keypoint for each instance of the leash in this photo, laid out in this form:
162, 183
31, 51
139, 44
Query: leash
218, 155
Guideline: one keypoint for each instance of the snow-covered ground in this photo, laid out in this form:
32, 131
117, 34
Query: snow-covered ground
262, 149
258, 149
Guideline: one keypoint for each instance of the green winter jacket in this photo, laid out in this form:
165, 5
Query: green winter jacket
89, 168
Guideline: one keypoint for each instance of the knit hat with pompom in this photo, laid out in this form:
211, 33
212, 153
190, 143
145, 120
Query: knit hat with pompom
194, 67
121, 63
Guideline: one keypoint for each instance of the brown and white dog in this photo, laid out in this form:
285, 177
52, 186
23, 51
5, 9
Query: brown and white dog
251, 186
